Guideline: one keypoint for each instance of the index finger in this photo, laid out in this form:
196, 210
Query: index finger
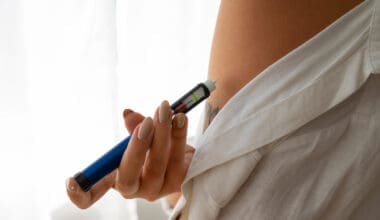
133, 159
132, 119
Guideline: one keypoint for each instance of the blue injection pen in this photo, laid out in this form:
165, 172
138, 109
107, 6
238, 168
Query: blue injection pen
111, 160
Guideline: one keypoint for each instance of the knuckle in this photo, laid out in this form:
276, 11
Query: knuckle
155, 168
174, 184
126, 188
81, 207
126, 196
151, 197
176, 161
179, 134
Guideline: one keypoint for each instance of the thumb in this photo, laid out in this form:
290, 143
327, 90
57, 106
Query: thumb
132, 119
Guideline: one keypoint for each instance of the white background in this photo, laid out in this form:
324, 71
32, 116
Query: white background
67, 70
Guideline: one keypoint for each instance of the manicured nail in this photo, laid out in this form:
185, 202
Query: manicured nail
164, 112
126, 112
69, 185
179, 120
145, 129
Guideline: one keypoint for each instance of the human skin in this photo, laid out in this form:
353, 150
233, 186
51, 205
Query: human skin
154, 164
249, 36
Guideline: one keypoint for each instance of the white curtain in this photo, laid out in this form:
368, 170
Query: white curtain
67, 70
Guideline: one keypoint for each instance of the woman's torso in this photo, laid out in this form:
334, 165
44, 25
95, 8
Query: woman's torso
250, 35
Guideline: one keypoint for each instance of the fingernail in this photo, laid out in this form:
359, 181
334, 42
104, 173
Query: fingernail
164, 112
145, 128
126, 112
179, 120
69, 185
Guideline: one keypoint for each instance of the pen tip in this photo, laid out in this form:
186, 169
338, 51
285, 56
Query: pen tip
210, 84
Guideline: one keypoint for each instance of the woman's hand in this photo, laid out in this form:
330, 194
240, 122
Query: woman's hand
154, 164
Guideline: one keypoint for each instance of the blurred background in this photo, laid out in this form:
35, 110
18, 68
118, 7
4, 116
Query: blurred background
67, 70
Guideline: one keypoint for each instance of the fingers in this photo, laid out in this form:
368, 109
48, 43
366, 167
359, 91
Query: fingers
83, 199
157, 159
175, 172
146, 170
132, 119
130, 168
154, 163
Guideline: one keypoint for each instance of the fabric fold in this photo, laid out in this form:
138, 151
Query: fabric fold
300, 87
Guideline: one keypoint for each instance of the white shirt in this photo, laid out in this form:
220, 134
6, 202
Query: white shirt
302, 139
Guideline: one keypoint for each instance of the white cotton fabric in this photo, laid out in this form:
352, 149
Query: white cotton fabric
301, 140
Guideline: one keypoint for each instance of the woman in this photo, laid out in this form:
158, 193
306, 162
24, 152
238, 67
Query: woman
296, 120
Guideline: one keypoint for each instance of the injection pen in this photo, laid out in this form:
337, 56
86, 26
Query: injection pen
111, 160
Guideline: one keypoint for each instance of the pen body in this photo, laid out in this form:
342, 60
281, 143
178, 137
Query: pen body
102, 166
